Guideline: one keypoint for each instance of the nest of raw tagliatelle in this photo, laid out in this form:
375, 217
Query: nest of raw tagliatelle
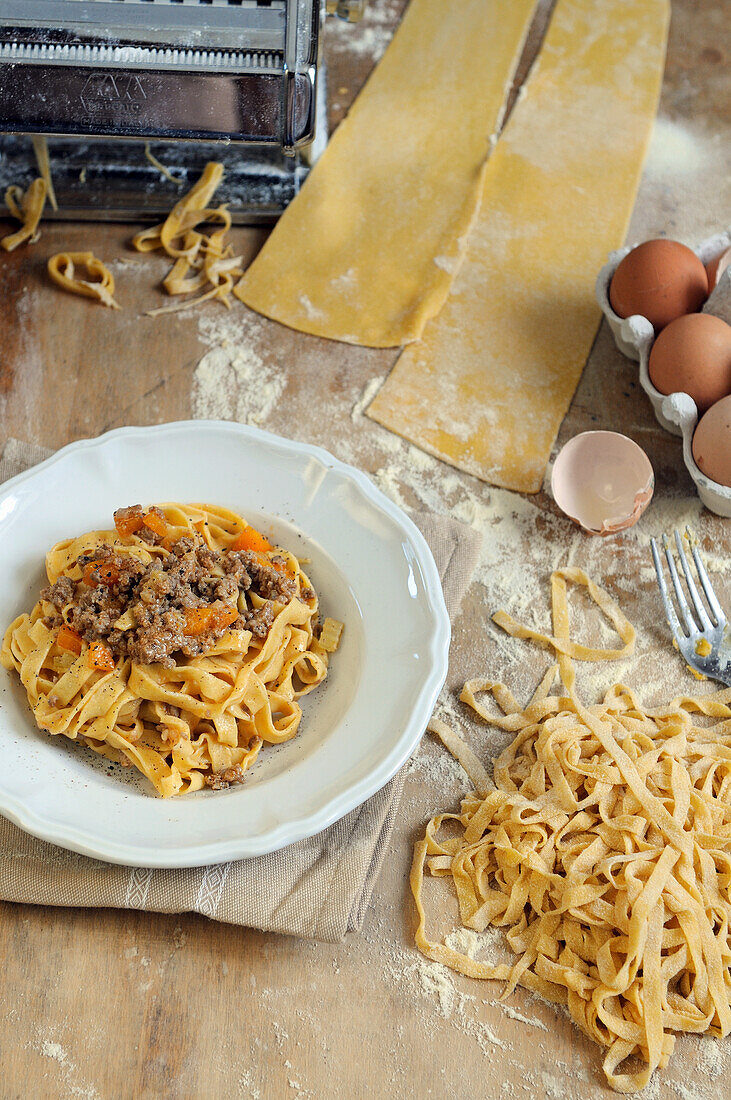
203, 264
602, 844
193, 236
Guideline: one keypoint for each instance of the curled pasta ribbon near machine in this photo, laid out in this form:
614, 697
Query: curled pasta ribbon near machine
40, 151
206, 256
602, 845
26, 207
62, 269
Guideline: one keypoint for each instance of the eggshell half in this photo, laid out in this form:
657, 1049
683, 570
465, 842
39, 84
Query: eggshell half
717, 266
603, 481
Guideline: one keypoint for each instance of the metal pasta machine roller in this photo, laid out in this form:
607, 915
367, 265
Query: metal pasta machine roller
128, 99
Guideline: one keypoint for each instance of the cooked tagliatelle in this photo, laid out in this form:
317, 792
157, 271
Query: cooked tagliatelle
603, 846
180, 642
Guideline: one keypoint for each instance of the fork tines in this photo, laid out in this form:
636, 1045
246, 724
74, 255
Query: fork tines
707, 617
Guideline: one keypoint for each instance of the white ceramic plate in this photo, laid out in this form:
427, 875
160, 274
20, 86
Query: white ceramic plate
372, 569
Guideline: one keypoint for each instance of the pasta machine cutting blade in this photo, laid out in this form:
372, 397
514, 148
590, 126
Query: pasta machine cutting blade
107, 82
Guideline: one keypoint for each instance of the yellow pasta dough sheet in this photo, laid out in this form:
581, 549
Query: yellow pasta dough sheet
368, 249
488, 385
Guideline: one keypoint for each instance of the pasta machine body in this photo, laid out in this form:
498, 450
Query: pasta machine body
130, 98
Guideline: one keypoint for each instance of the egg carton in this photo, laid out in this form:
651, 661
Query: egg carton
634, 336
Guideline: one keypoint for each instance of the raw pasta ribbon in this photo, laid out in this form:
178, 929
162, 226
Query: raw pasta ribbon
27, 208
201, 260
100, 284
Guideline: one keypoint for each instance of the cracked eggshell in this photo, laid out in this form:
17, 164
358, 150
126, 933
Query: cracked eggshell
716, 268
634, 336
603, 481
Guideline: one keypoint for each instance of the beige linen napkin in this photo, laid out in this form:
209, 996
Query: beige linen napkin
319, 888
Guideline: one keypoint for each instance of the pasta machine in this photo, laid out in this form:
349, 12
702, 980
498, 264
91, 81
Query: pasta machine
128, 99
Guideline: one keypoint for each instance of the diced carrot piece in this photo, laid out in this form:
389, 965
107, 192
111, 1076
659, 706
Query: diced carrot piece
100, 572
279, 565
100, 657
225, 618
251, 539
199, 620
156, 523
128, 520
69, 639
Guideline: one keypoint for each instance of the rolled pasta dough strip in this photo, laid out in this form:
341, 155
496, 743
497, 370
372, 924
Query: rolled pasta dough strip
487, 387
367, 251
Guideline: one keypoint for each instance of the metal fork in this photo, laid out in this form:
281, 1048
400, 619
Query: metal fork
703, 637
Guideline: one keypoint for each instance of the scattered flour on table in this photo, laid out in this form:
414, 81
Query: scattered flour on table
436, 983
231, 381
439, 769
515, 1015
674, 150
370, 37
714, 1057
49, 1047
436, 980
53, 1050
246, 1086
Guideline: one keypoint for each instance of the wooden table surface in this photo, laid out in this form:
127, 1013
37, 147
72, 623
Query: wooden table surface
110, 1003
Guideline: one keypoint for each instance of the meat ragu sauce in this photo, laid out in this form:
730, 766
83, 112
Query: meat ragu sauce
179, 604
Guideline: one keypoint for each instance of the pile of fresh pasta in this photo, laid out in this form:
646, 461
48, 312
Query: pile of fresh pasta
203, 264
603, 846
202, 261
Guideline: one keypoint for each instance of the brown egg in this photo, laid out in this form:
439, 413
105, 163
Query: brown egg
661, 280
712, 442
693, 355
716, 268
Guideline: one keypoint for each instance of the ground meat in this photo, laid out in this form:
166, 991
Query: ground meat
258, 621
226, 778
60, 593
161, 594
136, 512
271, 583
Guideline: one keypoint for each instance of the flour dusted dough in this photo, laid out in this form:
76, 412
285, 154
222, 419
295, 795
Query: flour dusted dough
367, 251
487, 387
